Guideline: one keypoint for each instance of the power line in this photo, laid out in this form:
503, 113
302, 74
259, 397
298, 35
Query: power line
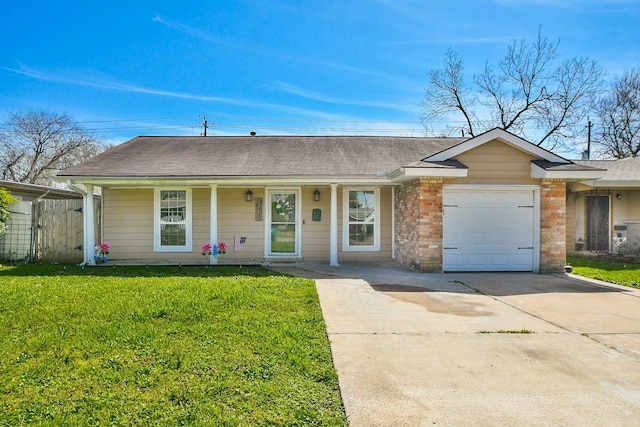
227, 121
137, 120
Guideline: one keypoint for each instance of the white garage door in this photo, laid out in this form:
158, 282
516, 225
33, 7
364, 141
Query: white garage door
489, 230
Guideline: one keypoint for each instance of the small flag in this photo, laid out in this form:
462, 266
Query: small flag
238, 242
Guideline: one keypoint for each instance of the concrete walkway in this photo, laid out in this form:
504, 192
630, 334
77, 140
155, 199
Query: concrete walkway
512, 349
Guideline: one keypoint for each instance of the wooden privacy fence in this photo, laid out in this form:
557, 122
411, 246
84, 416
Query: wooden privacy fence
50, 231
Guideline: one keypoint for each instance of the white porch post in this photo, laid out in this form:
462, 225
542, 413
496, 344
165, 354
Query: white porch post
89, 226
213, 221
393, 222
333, 227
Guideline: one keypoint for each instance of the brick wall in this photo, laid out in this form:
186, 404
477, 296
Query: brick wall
553, 249
418, 224
407, 210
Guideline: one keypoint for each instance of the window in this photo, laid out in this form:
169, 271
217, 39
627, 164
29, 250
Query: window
172, 220
361, 223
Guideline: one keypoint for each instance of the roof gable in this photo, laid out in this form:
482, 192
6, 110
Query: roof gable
502, 136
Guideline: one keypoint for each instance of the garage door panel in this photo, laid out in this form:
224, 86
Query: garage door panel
505, 199
489, 230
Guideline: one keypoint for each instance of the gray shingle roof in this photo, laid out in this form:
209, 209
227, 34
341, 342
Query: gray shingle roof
617, 170
228, 156
34, 191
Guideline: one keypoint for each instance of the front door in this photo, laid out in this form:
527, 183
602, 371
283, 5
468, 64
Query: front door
283, 223
598, 223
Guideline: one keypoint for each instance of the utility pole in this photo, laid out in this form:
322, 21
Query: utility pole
205, 124
588, 138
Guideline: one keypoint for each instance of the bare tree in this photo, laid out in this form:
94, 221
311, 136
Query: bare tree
619, 113
35, 144
528, 94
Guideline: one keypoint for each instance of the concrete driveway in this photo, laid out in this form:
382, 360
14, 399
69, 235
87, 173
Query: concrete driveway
417, 349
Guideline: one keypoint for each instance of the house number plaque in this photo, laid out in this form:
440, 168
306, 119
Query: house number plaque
258, 208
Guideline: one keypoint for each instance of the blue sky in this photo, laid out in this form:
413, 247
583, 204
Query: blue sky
275, 67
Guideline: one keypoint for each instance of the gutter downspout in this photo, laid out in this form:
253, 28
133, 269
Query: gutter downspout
34, 224
88, 222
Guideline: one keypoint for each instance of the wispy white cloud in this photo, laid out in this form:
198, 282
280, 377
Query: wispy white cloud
455, 40
316, 122
195, 32
304, 93
315, 96
579, 6
332, 119
480, 40
118, 86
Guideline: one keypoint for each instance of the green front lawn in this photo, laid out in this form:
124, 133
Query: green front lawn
613, 272
163, 346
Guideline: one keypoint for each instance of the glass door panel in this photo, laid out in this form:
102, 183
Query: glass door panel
283, 225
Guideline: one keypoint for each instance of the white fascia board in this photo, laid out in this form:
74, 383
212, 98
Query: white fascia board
501, 135
228, 181
541, 173
404, 174
436, 172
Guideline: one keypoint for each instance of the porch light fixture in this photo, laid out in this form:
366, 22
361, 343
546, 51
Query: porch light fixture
618, 196
249, 195
316, 195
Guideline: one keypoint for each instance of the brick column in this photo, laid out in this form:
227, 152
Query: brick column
407, 211
430, 224
418, 224
553, 248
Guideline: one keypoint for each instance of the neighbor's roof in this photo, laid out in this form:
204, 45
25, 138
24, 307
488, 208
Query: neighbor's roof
258, 156
619, 173
33, 191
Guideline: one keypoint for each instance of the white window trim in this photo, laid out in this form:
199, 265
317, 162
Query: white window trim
156, 222
346, 247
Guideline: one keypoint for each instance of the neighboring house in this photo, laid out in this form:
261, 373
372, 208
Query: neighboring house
45, 224
494, 202
604, 214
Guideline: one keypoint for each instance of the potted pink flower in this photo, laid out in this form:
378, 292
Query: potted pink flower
102, 250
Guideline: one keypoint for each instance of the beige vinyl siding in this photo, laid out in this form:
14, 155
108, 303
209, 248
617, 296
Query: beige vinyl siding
237, 217
633, 205
128, 218
315, 234
496, 163
572, 221
128, 221
627, 208
201, 205
128, 225
619, 208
